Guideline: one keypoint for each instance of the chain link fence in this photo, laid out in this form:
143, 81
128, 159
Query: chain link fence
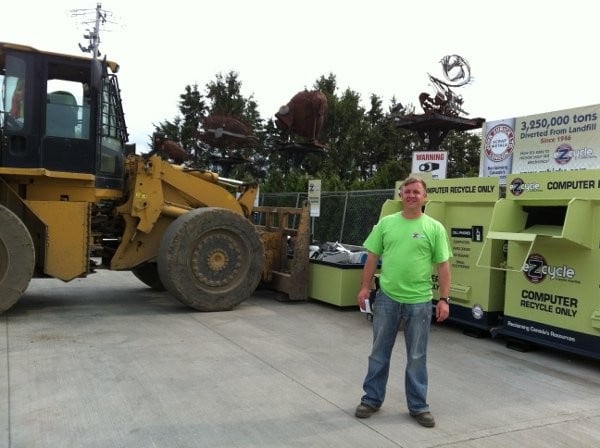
345, 216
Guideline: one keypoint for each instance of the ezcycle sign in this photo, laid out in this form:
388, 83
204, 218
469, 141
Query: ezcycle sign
550, 221
548, 187
536, 269
557, 141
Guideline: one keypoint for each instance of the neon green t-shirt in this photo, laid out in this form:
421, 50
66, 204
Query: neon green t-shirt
408, 248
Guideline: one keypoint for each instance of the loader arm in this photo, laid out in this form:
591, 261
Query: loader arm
159, 192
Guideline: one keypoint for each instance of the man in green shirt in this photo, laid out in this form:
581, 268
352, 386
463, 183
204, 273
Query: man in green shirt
409, 244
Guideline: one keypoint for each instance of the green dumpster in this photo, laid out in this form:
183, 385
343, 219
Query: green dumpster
550, 223
334, 283
335, 277
465, 208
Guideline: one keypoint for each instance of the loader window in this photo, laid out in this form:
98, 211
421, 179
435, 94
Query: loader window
17, 102
112, 129
14, 103
13, 94
65, 118
67, 110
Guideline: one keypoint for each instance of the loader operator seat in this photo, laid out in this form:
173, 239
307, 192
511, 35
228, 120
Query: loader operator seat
61, 114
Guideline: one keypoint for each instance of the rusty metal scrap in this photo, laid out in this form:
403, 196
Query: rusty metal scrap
225, 131
175, 151
303, 115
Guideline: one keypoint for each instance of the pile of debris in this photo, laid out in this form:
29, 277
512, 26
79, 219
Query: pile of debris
338, 253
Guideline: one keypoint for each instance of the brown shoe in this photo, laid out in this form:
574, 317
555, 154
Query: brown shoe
424, 419
365, 410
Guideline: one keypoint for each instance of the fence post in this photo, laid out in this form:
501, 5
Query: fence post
344, 217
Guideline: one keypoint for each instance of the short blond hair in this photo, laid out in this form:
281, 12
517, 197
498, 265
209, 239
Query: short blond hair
413, 179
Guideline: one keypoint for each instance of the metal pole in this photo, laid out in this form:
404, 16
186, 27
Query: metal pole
344, 217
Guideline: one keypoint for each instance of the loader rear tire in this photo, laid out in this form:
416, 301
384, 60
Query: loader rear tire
17, 258
148, 273
211, 259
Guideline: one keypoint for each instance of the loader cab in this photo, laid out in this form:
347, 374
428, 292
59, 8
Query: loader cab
61, 113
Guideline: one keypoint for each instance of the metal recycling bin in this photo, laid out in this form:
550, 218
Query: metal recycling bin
465, 206
335, 277
551, 225
334, 283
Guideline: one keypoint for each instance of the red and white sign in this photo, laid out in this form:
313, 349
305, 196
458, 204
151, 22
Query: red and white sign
432, 162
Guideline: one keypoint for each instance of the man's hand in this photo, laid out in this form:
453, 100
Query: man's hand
442, 311
363, 295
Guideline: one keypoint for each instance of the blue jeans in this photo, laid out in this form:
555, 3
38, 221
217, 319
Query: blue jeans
387, 314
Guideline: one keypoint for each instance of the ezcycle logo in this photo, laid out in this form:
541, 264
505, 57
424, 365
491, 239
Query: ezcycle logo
518, 186
563, 154
536, 270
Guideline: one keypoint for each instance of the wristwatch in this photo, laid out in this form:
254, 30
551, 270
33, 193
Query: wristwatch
445, 299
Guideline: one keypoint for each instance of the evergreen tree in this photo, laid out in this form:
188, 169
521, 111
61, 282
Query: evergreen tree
223, 96
365, 149
464, 149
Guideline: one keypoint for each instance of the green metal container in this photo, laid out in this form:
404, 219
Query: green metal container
334, 283
550, 223
465, 208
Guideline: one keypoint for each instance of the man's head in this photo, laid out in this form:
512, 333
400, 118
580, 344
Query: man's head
413, 180
413, 194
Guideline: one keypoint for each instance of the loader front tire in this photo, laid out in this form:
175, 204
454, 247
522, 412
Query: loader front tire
17, 258
211, 259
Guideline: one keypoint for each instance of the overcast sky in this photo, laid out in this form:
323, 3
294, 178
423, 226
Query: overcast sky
526, 56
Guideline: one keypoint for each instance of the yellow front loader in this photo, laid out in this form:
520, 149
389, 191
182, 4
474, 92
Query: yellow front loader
74, 196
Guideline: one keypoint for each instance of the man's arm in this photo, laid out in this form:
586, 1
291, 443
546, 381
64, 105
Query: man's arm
442, 310
367, 277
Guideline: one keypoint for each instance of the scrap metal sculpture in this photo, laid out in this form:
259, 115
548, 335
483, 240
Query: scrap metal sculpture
225, 131
303, 115
458, 73
443, 109
228, 134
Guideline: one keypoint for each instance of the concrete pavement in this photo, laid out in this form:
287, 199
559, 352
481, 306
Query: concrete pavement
106, 362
